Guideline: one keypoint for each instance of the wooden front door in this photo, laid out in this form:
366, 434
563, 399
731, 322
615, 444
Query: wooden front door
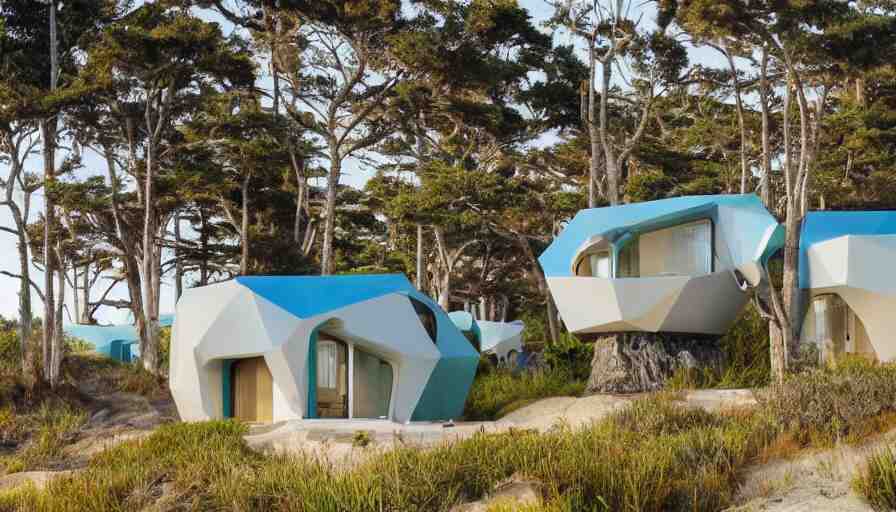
252, 390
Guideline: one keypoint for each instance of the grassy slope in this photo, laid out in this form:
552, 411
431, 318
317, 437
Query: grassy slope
652, 456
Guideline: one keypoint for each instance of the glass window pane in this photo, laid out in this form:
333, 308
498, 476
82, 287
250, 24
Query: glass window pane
372, 386
678, 250
427, 318
600, 264
332, 379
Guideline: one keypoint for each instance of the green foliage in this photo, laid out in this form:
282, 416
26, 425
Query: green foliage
361, 439
824, 406
569, 354
745, 349
10, 350
77, 345
877, 481
45, 431
498, 392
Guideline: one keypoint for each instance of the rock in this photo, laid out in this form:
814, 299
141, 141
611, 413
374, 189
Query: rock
640, 362
99, 416
39, 479
512, 492
145, 421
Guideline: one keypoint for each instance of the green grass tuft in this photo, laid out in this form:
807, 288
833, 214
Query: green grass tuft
498, 392
877, 483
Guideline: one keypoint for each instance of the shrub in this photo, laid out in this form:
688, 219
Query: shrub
823, 406
77, 345
571, 355
877, 482
499, 391
48, 429
746, 350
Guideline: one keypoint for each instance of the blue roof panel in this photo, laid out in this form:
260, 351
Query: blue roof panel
827, 225
556, 260
307, 296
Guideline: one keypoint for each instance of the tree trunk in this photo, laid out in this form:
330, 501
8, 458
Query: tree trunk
29, 352
85, 296
328, 253
610, 163
76, 296
244, 228
48, 133
420, 266
765, 184
178, 260
150, 341
445, 290
58, 345
301, 191
203, 248
740, 123
542, 283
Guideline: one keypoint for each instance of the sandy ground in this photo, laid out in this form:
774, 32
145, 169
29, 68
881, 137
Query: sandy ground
812, 482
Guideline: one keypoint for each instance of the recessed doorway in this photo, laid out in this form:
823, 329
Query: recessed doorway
252, 390
350, 382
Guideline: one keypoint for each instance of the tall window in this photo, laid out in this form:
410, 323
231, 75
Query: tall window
332, 379
372, 385
327, 365
683, 250
426, 316
600, 264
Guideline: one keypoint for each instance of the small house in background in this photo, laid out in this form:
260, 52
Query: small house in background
502, 341
120, 342
680, 265
847, 268
317, 347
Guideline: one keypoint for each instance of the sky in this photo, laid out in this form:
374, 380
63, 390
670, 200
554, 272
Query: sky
354, 174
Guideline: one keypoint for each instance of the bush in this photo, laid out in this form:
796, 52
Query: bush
498, 392
570, 355
824, 406
877, 482
746, 350
48, 430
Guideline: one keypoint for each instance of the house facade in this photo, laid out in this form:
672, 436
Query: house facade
501, 341
340, 347
846, 262
119, 342
679, 265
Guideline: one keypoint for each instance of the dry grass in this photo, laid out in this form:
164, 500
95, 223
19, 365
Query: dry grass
877, 483
499, 392
682, 461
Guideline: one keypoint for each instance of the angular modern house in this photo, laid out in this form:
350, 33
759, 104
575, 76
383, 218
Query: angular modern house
120, 342
352, 346
846, 268
680, 265
501, 340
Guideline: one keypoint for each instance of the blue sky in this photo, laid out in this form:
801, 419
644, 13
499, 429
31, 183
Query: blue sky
354, 175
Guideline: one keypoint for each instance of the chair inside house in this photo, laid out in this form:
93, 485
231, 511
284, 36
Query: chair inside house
371, 381
332, 378
252, 390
